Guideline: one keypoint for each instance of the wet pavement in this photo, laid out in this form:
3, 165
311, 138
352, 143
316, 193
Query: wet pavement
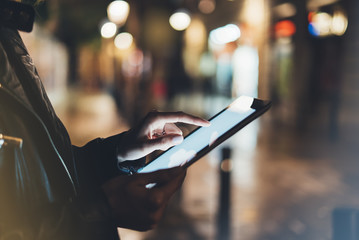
285, 183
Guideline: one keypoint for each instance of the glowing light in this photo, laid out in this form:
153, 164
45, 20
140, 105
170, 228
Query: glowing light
207, 6
312, 30
195, 41
310, 16
322, 24
285, 28
225, 34
254, 12
180, 20
108, 30
339, 23
245, 62
117, 11
123, 41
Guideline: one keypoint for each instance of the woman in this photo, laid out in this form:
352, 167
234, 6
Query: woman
50, 189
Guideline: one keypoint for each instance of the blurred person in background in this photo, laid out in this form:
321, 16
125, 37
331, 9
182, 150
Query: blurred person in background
50, 189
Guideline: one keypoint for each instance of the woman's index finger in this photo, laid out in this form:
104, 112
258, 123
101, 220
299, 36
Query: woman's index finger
175, 117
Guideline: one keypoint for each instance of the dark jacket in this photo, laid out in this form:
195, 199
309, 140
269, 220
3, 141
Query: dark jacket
49, 189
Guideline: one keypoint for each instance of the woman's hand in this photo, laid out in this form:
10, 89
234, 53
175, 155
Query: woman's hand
134, 204
137, 207
156, 132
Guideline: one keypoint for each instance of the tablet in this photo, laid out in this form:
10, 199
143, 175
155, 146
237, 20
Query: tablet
202, 140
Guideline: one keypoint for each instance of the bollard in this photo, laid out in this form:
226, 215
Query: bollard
223, 219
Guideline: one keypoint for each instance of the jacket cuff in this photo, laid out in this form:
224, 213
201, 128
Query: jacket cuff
109, 148
99, 157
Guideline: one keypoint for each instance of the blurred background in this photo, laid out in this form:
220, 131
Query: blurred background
292, 174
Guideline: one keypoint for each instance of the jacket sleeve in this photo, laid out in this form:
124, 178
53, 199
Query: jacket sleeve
99, 158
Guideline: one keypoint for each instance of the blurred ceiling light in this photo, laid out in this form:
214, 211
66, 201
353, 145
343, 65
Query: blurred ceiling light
108, 30
117, 11
180, 20
339, 22
225, 34
285, 10
123, 41
207, 6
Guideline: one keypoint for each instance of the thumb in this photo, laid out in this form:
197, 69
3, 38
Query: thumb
145, 147
162, 143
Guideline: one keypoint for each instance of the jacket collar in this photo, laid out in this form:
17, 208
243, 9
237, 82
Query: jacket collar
16, 15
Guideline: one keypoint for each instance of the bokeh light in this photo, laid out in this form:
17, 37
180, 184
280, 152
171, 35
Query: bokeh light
285, 28
108, 30
117, 11
195, 35
225, 34
322, 24
180, 20
339, 23
123, 40
207, 6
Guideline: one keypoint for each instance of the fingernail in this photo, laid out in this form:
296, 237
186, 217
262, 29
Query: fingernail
177, 139
207, 124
